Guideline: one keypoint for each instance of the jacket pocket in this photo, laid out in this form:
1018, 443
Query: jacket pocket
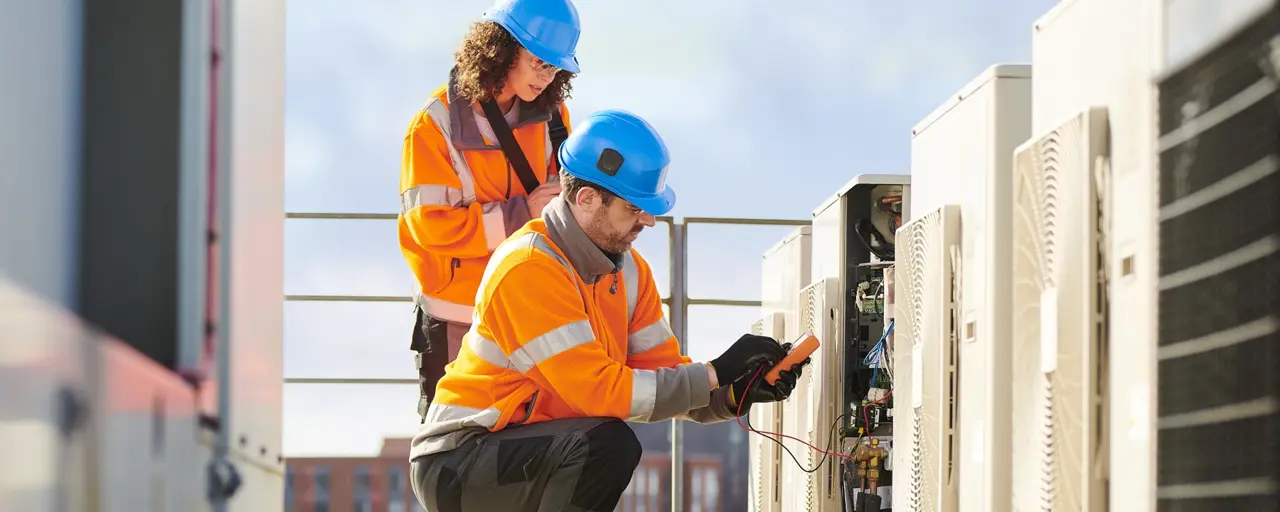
461, 279
525, 411
437, 273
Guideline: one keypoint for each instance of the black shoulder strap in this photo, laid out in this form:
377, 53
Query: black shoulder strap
558, 132
510, 147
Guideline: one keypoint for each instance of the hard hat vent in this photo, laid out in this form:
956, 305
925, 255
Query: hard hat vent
610, 161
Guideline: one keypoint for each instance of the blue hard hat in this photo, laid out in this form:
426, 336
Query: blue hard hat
547, 28
624, 154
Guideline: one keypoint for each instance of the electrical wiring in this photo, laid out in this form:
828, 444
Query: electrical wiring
826, 453
867, 421
875, 356
871, 238
773, 436
878, 348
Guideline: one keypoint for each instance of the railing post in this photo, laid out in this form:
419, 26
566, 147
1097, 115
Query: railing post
679, 324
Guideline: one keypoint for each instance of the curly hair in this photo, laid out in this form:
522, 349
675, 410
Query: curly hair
484, 58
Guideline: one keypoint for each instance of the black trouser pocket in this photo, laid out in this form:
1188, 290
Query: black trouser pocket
430, 343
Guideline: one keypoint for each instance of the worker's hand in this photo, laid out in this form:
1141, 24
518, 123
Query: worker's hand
745, 355
754, 389
541, 196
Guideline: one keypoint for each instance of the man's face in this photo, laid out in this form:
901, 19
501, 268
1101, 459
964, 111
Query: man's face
615, 226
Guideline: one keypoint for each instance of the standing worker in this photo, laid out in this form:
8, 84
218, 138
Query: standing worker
476, 164
569, 341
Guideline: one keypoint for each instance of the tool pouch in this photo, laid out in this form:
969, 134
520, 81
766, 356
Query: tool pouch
430, 345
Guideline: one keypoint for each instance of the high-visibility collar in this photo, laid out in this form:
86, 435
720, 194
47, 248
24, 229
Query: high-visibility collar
589, 260
465, 134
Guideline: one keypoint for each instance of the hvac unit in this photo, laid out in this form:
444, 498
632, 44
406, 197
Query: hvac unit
925, 346
855, 217
960, 155
1059, 329
1218, 260
765, 454
1103, 54
853, 241
785, 269
813, 412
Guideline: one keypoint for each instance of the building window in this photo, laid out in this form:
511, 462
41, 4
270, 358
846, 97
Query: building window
321, 488
363, 490
652, 481
696, 497
704, 492
396, 485
641, 494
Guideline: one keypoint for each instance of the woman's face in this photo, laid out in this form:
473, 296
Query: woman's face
529, 76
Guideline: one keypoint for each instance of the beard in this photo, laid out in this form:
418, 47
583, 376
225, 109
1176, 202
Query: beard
606, 238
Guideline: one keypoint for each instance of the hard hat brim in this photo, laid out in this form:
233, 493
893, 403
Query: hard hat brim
657, 204
529, 42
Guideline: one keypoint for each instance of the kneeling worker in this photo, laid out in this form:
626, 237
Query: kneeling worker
569, 340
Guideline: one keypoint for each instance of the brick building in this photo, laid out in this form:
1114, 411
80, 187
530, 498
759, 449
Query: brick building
715, 475
351, 484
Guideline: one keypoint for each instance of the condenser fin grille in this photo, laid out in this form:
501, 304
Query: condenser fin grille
1218, 427
924, 282
1059, 325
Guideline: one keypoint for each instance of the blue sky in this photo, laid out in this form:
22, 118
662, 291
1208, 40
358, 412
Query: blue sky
767, 109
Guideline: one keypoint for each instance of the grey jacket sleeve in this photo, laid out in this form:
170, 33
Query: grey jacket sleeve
515, 213
716, 411
678, 391
684, 392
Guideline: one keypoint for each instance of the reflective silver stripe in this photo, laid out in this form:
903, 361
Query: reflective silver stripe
487, 349
540, 242
439, 113
644, 393
426, 194
649, 337
630, 282
546, 145
495, 225
443, 309
445, 418
538, 349
500, 253
429, 195
552, 343
505, 249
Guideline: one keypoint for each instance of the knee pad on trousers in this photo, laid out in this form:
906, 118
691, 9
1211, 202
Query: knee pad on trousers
614, 440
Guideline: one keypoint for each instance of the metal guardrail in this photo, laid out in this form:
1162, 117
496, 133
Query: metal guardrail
678, 301
342, 216
346, 380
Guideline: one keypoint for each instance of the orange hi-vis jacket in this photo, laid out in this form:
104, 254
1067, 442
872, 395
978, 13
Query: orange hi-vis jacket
563, 330
459, 198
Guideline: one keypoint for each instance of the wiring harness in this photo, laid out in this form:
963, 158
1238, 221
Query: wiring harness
874, 357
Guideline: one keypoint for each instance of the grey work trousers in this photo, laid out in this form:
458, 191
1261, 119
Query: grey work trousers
573, 465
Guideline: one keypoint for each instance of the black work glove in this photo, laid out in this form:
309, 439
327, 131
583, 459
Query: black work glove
749, 352
761, 391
